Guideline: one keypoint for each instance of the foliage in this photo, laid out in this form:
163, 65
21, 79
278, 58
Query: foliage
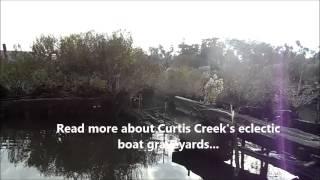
212, 89
94, 64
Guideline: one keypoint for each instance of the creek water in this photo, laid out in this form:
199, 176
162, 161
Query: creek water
33, 150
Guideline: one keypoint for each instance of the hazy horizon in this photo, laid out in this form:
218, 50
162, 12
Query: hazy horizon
162, 22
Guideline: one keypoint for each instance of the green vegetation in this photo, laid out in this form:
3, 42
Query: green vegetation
94, 64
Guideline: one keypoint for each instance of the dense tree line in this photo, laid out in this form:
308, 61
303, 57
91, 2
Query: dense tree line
94, 64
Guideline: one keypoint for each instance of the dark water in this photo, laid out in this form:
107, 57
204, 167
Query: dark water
45, 155
30, 149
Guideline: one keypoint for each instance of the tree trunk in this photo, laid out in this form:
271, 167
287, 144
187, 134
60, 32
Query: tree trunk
300, 80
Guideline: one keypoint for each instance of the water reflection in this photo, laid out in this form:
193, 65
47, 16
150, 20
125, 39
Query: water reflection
37, 152
46, 154
77, 156
210, 168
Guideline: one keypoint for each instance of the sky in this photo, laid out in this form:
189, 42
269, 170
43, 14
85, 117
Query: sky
163, 22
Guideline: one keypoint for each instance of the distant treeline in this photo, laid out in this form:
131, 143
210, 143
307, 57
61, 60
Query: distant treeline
95, 64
